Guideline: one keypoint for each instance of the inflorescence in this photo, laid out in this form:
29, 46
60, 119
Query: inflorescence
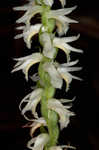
54, 114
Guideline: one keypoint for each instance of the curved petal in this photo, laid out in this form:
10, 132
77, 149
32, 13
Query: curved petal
31, 12
67, 76
37, 124
62, 147
25, 7
32, 101
39, 142
63, 113
34, 29
24, 63
57, 43
63, 2
62, 12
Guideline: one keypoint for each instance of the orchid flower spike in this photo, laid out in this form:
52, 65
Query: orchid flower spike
24, 63
54, 113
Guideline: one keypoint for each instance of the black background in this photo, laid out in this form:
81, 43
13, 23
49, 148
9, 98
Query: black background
83, 131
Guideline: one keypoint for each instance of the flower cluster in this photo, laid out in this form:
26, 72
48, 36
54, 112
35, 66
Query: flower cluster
50, 74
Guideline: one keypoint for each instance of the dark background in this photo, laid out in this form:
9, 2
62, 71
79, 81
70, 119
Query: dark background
83, 131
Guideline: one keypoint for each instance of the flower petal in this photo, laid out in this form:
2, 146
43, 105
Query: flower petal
62, 12
63, 2
25, 7
69, 39
39, 142
57, 43
32, 30
61, 43
61, 147
64, 114
32, 100
24, 63
67, 100
64, 72
31, 12
37, 124
72, 48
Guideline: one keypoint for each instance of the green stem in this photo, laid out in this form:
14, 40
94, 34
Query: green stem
50, 116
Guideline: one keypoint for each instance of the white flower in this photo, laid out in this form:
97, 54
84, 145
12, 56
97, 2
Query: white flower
62, 20
61, 147
37, 123
59, 72
64, 70
31, 100
39, 142
62, 44
31, 11
62, 111
48, 49
28, 33
24, 63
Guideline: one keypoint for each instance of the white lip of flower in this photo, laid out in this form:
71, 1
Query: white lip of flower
35, 125
60, 72
24, 63
31, 11
48, 49
62, 111
61, 147
28, 33
32, 100
62, 21
39, 142
62, 44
